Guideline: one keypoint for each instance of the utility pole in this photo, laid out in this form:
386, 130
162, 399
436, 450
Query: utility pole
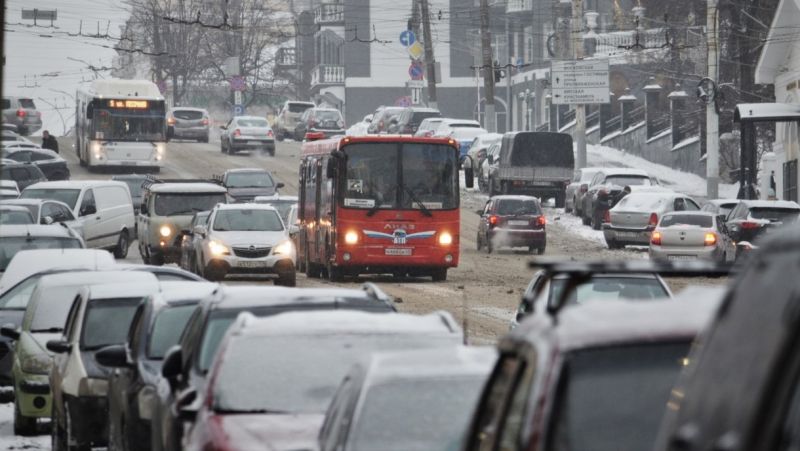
580, 110
712, 118
490, 120
430, 70
509, 110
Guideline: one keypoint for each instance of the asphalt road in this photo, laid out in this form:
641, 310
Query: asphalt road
482, 293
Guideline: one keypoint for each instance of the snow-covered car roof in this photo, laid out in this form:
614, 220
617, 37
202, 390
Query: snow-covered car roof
275, 198
37, 230
720, 202
788, 204
624, 171
690, 213
29, 262
9, 184
435, 362
241, 170
188, 108
75, 184
196, 188
245, 206
237, 296
146, 285
176, 291
351, 322
31, 201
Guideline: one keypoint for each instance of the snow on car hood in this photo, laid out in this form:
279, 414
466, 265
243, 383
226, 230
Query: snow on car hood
273, 432
251, 191
236, 238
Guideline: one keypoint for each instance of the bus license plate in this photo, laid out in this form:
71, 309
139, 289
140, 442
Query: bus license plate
249, 264
397, 251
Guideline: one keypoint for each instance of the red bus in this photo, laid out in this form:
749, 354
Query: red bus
379, 204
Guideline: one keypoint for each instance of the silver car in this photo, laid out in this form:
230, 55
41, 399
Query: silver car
634, 217
247, 133
22, 112
691, 235
188, 123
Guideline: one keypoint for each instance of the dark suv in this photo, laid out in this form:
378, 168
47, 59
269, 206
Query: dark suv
751, 219
409, 120
512, 221
24, 174
327, 121
22, 112
605, 190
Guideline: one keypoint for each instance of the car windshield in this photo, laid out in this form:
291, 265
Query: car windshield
167, 329
299, 107
703, 221
429, 174
254, 122
610, 289
420, 116
283, 207
247, 220
17, 298
10, 245
467, 133
415, 414
15, 217
327, 115
613, 398
107, 322
775, 214
278, 373
168, 204
628, 180
249, 180
518, 207
68, 196
128, 124
188, 115
53, 307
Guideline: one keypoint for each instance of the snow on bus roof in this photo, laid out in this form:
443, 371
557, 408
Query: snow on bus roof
326, 146
140, 89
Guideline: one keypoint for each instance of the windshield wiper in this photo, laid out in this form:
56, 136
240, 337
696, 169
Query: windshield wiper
48, 330
251, 411
414, 198
375, 207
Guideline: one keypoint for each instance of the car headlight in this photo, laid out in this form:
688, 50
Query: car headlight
217, 248
35, 363
165, 231
284, 248
445, 239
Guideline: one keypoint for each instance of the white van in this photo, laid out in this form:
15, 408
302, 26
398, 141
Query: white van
104, 208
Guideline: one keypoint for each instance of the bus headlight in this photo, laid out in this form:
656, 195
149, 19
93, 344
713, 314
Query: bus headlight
165, 231
284, 248
97, 150
351, 237
216, 248
445, 239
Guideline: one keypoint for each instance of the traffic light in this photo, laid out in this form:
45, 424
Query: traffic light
498, 74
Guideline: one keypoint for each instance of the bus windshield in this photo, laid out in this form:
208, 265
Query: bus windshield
401, 176
128, 125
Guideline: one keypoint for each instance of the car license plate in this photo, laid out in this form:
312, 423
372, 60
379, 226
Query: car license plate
518, 223
397, 251
627, 234
681, 257
254, 143
251, 264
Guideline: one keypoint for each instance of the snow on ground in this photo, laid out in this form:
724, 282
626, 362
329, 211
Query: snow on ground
9, 441
574, 225
685, 182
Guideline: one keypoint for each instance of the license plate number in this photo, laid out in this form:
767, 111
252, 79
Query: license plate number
681, 257
254, 143
397, 251
627, 234
518, 223
249, 264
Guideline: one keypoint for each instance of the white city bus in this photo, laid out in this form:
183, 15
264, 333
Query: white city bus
120, 123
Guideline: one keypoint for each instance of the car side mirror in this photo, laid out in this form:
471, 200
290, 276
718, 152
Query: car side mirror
199, 231
47, 220
173, 364
223, 127
279, 185
187, 407
88, 210
10, 331
469, 175
293, 229
143, 208
114, 356
58, 346
490, 159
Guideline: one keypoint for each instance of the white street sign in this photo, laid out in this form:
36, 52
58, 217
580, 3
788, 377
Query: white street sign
416, 96
579, 82
415, 83
237, 97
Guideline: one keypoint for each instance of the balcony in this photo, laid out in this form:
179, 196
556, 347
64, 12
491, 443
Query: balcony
326, 74
514, 6
286, 58
329, 14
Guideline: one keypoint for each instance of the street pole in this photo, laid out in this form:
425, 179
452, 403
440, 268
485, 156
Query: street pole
430, 70
509, 109
712, 118
490, 120
580, 110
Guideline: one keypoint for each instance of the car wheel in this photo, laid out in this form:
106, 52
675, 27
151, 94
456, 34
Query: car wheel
23, 425
439, 274
156, 260
489, 246
614, 244
271, 152
204, 139
478, 242
121, 251
492, 190
288, 279
222, 146
68, 433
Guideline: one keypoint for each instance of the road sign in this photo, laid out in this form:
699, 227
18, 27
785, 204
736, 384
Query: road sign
520, 63
415, 84
237, 97
237, 83
416, 96
579, 82
238, 110
407, 38
416, 50
404, 101
415, 71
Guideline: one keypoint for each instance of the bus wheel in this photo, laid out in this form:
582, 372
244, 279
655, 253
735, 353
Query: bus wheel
439, 274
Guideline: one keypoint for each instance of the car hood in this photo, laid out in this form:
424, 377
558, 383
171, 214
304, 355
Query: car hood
273, 432
251, 192
249, 238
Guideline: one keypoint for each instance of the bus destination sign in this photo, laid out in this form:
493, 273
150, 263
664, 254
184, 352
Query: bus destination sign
132, 104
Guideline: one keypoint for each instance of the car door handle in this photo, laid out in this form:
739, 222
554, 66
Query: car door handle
97, 218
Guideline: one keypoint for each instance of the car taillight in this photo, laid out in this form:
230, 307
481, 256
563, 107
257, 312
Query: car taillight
493, 220
541, 221
710, 239
21, 113
655, 238
237, 132
171, 121
653, 220
205, 121
607, 217
750, 225
270, 134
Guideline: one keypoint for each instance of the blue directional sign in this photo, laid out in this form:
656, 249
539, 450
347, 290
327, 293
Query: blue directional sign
407, 38
415, 71
520, 62
238, 110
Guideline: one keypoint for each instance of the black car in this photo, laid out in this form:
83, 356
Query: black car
409, 120
133, 386
24, 174
134, 182
741, 388
186, 365
751, 219
53, 166
605, 190
327, 121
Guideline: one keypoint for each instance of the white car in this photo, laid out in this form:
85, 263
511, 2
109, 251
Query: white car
691, 235
633, 219
359, 128
45, 211
29, 262
428, 126
245, 239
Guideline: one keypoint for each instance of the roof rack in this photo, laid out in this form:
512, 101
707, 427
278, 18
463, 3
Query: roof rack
151, 180
579, 272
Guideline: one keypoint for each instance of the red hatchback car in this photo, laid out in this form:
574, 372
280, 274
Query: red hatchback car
512, 221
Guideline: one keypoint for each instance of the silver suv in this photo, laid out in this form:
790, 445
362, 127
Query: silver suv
188, 123
22, 112
287, 119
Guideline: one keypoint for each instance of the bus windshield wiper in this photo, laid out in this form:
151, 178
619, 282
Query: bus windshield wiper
375, 207
414, 199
